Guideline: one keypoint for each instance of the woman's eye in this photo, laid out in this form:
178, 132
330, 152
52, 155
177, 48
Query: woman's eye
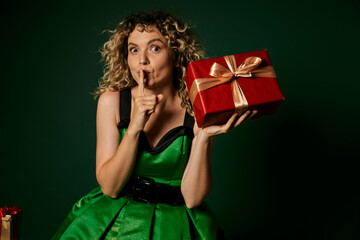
133, 50
155, 48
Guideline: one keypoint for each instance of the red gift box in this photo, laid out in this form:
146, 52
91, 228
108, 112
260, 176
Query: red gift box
218, 87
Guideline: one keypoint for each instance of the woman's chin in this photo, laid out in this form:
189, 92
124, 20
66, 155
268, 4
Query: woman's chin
151, 84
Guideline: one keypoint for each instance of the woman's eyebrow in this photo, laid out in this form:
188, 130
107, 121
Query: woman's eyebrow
151, 41
131, 43
155, 40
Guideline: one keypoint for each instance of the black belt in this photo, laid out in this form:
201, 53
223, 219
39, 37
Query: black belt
146, 190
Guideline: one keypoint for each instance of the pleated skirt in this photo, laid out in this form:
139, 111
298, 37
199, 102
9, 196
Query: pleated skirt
97, 216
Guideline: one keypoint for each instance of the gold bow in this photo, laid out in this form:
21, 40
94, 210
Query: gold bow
221, 74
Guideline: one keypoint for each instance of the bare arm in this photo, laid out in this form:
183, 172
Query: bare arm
114, 161
197, 179
196, 183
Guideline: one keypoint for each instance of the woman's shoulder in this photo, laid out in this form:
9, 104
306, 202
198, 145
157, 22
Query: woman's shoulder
109, 98
108, 104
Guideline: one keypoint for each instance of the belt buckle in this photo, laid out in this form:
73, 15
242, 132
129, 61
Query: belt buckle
145, 190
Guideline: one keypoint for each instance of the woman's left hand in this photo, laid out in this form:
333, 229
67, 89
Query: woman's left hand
232, 123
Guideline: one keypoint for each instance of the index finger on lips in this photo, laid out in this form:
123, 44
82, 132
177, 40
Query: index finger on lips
141, 84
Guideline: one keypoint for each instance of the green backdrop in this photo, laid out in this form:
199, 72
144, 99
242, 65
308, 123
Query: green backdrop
291, 175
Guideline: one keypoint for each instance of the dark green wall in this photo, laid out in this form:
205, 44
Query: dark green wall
291, 175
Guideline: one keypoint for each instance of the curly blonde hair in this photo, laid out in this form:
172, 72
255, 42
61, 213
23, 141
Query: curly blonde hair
114, 53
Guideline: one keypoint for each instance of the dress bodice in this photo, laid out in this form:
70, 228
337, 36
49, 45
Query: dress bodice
166, 162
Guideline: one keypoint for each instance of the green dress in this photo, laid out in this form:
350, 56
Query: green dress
97, 216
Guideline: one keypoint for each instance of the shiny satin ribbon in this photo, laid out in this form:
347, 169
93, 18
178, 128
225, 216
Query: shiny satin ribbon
249, 68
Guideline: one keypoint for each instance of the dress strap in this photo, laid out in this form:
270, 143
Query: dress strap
125, 108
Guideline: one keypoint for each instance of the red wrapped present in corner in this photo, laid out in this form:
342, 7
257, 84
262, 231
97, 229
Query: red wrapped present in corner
218, 87
9, 223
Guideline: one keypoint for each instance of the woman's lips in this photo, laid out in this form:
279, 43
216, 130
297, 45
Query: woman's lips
146, 73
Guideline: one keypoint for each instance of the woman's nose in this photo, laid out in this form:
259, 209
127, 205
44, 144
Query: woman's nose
144, 58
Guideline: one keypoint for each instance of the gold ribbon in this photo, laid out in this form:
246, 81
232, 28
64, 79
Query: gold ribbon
249, 68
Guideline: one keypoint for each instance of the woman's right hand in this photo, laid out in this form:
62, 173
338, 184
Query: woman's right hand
144, 106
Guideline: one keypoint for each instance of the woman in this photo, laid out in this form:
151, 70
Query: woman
153, 164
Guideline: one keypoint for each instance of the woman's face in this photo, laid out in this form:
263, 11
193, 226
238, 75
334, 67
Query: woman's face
148, 51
